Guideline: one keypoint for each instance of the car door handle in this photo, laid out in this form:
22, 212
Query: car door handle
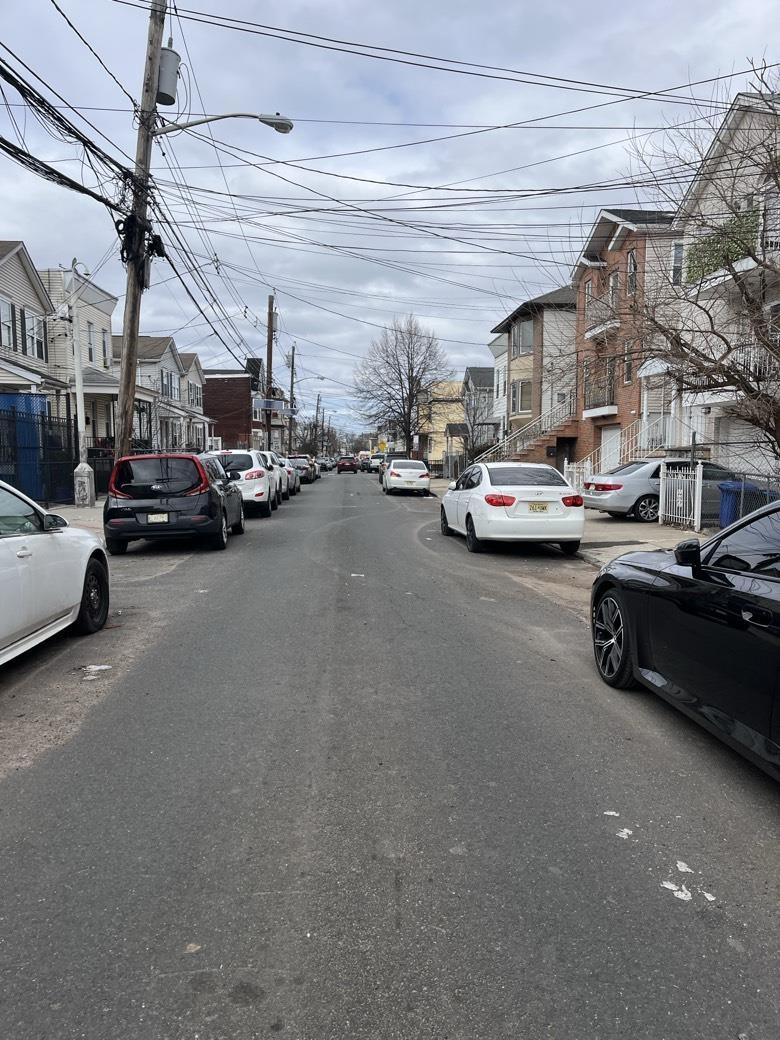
23, 554
750, 614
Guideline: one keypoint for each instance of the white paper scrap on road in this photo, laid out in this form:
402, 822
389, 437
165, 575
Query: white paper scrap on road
97, 667
679, 891
683, 867
611, 812
708, 896
625, 833
357, 575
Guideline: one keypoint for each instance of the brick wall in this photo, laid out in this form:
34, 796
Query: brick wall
227, 400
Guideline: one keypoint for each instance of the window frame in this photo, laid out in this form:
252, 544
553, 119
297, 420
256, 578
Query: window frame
676, 269
632, 272
710, 548
91, 342
628, 363
9, 323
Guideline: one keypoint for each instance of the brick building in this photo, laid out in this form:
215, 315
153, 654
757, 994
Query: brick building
233, 401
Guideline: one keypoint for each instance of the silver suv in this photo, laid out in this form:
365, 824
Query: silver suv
634, 488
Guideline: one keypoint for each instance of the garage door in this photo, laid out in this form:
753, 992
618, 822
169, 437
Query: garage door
610, 448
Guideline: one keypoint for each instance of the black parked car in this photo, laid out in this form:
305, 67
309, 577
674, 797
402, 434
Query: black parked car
170, 495
700, 625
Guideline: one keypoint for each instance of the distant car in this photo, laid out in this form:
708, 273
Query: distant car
700, 626
51, 576
171, 495
347, 464
376, 461
388, 460
323, 462
513, 502
255, 480
304, 468
407, 475
634, 488
293, 476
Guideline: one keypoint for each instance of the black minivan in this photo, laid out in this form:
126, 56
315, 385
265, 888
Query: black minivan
170, 495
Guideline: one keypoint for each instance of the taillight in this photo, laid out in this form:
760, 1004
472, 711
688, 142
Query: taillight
254, 474
394, 473
203, 487
424, 476
607, 487
112, 488
587, 485
572, 500
500, 500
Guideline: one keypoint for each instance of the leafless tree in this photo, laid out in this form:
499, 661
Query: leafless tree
711, 310
395, 380
478, 419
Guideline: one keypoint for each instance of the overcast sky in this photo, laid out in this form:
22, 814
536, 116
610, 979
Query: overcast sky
367, 266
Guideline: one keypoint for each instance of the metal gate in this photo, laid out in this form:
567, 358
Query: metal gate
38, 455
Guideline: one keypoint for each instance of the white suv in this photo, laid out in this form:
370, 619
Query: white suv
256, 481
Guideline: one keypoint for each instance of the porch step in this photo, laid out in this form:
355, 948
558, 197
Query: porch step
536, 451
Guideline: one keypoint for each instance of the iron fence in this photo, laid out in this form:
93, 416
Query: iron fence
38, 454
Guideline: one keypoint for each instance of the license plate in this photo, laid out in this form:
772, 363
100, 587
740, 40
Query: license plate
410, 483
157, 518
537, 507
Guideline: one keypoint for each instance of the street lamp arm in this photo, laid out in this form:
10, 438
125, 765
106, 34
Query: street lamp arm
281, 124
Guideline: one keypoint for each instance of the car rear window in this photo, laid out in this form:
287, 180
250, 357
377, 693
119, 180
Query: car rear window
409, 464
526, 476
627, 468
347, 458
238, 461
154, 478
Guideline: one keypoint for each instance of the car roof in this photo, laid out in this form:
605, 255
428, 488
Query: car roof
525, 465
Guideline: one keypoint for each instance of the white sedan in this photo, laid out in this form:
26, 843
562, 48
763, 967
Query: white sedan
255, 481
406, 475
513, 502
51, 576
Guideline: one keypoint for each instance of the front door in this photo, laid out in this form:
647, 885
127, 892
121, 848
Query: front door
610, 448
715, 633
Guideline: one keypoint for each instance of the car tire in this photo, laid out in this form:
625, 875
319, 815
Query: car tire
569, 548
220, 539
265, 509
616, 516
116, 548
93, 612
611, 646
286, 495
473, 544
646, 509
240, 525
446, 530
274, 501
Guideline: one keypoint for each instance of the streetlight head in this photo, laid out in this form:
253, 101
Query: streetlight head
280, 123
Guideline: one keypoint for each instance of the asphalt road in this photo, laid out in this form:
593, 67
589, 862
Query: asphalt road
345, 780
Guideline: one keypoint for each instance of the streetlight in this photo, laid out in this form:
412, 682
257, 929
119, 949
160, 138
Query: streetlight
277, 122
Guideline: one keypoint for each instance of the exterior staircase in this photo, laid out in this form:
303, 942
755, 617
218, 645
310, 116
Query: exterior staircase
535, 436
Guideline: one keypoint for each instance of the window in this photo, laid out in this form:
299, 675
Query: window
497, 381
28, 324
588, 293
195, 395
754, 548
614, 289
16, 516
462, 481
104, 339
520, 395
90, 341
677, 263
523, 337
631, 272
513, 397
107, 411
526, 476
503, 381
6, 325
628, 362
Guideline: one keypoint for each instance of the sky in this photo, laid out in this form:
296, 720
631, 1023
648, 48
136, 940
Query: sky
401, 189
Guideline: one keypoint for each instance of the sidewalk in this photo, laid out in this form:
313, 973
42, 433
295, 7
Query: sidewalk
90, 519
607, 537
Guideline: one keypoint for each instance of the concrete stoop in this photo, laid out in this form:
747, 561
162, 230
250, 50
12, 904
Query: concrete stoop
537, 450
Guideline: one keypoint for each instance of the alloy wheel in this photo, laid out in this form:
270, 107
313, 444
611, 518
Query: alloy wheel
608, 637
646, 509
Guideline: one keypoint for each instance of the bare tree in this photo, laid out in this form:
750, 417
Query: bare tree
710, 310
395, 380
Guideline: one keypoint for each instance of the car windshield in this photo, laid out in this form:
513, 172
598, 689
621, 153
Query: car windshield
526, 476
152, 478
409, 464
237, 461
379, 455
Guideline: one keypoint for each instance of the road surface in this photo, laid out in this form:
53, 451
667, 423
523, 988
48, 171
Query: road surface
345, 780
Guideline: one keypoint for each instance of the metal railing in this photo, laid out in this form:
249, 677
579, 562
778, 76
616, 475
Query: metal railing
680, 496
521, 439
600, 310
599, 382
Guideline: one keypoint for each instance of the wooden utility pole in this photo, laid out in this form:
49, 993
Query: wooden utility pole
269, 360
317, 423
135, 231
292, 402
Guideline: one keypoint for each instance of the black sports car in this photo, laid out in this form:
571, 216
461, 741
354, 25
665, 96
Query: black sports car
700, 625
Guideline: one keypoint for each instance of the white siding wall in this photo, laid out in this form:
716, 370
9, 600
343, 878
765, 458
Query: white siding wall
15, 287
559, 358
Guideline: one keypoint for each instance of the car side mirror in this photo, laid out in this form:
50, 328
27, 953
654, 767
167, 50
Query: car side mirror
54, 522
233, 474
688, 553
451, 486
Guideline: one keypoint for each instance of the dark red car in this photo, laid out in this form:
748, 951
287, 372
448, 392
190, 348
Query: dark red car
347, 464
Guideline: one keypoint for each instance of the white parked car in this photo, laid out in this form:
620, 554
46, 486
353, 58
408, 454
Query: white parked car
278, 475
51, 576
256, 481
513, 502
293, 476
406, 475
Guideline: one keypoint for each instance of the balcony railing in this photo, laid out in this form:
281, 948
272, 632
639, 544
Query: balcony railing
599, 383
752, 360
601, 310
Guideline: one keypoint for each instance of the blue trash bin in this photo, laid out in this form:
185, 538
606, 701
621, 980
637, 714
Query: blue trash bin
731, 496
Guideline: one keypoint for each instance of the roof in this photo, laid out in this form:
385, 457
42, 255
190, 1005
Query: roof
6, 248
640, 216
96, 377
9, 248
226, 372
150, 348
610, 226
479, 376
563, 298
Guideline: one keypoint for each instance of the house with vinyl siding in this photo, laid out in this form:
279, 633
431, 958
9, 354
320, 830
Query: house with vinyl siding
25, 306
